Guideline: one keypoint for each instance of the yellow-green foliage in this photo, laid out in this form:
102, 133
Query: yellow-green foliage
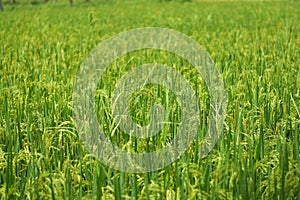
255, 46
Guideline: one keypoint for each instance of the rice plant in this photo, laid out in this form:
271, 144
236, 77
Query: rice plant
255, 46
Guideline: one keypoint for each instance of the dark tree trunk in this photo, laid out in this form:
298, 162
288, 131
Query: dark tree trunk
71, 2
14, 1
1, 6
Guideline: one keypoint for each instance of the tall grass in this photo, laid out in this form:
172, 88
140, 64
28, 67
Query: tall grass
256, 48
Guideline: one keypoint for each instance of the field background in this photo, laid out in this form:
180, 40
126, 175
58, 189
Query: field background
255, 46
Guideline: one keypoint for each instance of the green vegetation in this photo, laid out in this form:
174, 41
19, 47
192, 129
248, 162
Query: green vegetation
255, 46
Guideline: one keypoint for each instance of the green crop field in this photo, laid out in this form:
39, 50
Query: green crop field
256, 48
